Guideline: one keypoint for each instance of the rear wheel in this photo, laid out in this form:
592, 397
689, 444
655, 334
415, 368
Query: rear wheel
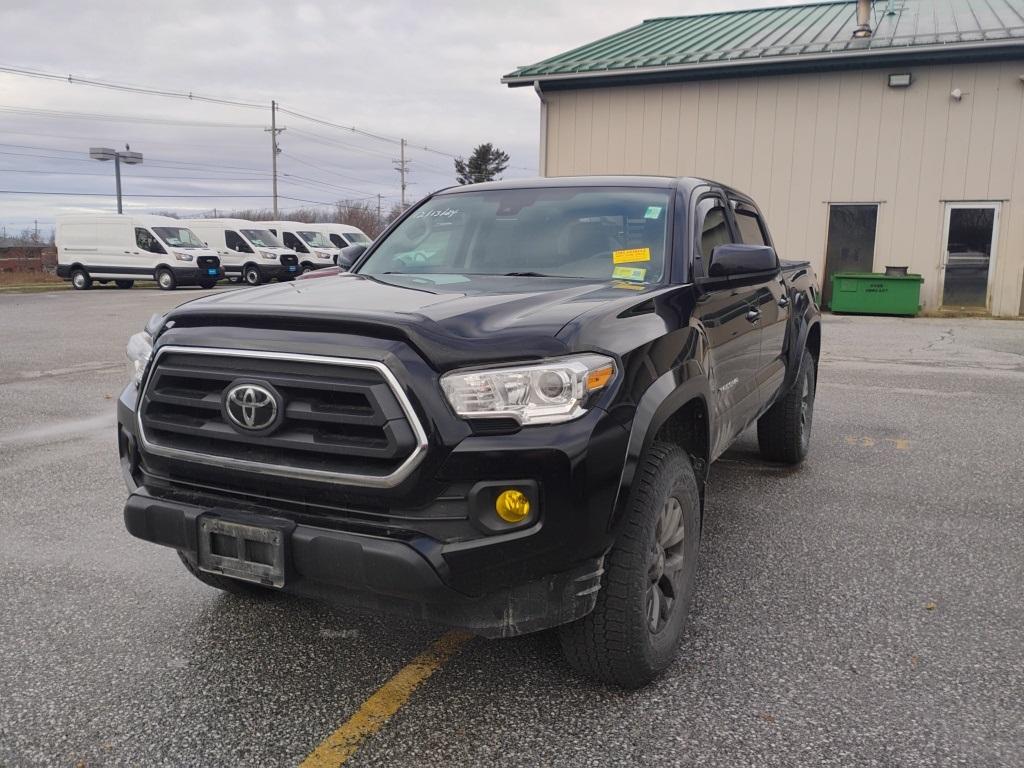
784, 432
251, 275
80, 280
634, 631
165, 279
234, 586
124, 284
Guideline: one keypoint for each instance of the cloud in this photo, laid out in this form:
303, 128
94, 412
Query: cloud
425, 71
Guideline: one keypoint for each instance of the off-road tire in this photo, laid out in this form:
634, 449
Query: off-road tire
165, 280
224, 583
80, 280
124, 284
784, 432
616, 642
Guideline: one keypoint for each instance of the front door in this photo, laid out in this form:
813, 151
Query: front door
730, 320
850, 246
969, 238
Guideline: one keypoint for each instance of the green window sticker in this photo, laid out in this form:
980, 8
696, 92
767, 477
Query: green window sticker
653, 212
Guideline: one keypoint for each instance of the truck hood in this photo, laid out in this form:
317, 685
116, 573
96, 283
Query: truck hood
450, 319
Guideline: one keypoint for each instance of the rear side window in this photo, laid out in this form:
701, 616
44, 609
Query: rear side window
750, 225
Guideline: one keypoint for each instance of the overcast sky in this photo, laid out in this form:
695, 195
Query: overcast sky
426, 71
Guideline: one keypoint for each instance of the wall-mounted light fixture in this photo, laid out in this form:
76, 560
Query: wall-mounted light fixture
901, 80
956, 94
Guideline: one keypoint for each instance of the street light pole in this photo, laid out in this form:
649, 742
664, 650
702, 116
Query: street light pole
128, 157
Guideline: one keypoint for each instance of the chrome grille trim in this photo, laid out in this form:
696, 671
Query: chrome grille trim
301, 473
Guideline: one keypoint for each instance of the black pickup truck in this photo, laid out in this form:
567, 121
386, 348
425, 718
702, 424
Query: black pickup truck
502, 418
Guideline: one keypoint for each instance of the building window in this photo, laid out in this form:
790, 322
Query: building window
851, 242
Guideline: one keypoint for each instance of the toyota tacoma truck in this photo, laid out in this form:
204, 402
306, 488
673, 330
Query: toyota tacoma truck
501, 418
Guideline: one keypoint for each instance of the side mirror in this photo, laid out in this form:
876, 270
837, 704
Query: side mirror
350, 256
735, 260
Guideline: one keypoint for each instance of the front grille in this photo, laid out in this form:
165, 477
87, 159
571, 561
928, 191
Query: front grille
208, 261
342, 420
289, 259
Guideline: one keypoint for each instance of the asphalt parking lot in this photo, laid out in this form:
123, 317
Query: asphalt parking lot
864, 609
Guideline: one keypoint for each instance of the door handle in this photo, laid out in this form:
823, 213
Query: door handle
784, 302
753, 315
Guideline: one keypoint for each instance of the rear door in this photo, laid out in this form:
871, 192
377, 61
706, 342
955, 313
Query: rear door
771, 300
726, 314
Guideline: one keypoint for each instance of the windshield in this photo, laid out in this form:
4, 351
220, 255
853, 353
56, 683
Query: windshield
316, 239
357, 237
592, 233
178, 237
261, 238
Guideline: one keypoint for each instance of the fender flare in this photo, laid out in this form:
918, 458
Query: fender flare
795, 353
669, 392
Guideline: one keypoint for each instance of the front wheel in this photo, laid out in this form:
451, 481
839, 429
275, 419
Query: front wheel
784, 432
251, 275
80, 280
124, 284
165, 279
207, 283
634, 631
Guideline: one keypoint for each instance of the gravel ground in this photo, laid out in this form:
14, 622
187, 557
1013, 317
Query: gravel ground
864, 609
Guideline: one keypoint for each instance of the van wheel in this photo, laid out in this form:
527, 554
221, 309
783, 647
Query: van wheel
784, 432
165, 279
306, 267
80, 280
634, 631
207, 283
225, 583
251, 275
125, 284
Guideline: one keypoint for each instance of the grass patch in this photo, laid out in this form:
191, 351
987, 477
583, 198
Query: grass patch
10, 279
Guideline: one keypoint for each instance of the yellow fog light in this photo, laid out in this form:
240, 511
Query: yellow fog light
512, 506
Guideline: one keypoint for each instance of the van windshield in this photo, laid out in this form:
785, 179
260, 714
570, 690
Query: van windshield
316, 239
357, 237
178, 237
594, 233
261, 238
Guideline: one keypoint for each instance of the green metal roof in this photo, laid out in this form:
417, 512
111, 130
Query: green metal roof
795, 35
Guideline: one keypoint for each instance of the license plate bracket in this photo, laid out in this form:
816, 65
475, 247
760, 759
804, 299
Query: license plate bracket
253, 550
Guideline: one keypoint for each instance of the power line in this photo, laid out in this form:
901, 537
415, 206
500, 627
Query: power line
39, 112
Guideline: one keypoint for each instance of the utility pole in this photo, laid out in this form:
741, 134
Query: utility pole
275, 150
402, 166
35, 237
378, 209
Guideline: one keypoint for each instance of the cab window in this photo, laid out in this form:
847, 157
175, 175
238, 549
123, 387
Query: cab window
291, 241
749, 224
714, 226
235, 242
145, 240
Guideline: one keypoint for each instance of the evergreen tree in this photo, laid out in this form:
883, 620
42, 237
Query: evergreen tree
485, 164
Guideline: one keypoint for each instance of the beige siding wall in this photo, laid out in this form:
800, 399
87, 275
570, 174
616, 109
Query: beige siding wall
799, 142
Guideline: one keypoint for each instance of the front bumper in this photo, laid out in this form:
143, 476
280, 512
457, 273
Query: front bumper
378, 573
195, 275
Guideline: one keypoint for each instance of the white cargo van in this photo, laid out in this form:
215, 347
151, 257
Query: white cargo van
247, 249
342, 235
314, 248
123, 248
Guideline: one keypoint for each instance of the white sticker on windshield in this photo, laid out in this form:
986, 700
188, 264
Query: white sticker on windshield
447, 213
653, 212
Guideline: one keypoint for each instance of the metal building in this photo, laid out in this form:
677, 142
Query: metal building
875, 134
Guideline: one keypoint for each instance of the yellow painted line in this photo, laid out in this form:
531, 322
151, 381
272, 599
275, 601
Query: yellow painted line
384, 703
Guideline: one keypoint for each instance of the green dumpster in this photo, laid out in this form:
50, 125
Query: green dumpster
874, 293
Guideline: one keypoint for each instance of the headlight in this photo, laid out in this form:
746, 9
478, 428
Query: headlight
183, 256
546, 393
268, 255
323, 255
140, 349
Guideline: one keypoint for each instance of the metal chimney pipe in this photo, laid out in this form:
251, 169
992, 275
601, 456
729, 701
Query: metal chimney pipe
863, 19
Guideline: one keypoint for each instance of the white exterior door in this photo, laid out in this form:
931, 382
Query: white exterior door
969, 238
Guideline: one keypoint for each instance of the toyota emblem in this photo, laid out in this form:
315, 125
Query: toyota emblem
251, 407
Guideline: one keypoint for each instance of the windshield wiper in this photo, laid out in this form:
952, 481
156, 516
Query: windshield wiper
525, 274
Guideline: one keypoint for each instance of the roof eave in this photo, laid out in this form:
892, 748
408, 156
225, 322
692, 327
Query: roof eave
988, 49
